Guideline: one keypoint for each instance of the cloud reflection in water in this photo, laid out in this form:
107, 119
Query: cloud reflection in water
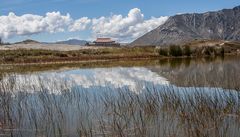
135, 79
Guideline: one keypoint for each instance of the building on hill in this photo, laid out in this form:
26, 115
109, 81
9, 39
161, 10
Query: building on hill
104, 42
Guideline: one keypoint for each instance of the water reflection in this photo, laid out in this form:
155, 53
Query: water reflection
205, 72
183, 97
136, 79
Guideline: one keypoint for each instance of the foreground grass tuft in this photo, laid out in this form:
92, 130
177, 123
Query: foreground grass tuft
55, 108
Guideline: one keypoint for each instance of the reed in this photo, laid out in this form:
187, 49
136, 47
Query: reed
60, 108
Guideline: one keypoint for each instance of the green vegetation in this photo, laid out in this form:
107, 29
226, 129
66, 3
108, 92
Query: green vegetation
196, 50
175, 51
163, 51
187, 50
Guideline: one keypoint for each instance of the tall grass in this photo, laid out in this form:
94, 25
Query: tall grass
101, 53
54, 108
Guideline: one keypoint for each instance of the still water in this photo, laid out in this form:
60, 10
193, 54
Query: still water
212, 73
172, 97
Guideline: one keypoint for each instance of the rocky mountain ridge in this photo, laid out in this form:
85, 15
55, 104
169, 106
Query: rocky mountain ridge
178, 29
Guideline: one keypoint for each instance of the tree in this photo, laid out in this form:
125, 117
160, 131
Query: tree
0, 41
222, 51
187, 50
163, 52
175, 51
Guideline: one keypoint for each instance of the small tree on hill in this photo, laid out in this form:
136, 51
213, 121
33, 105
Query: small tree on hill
1, 41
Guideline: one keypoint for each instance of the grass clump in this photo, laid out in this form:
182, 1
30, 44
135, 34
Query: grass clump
53, 108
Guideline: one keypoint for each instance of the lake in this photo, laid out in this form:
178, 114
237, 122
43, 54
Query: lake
168, 97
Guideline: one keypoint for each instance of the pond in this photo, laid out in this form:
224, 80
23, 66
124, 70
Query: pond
204, 72
170, 97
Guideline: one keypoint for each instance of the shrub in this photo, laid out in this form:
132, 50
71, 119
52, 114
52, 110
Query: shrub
163, 51
209, 51
187, 50
61, 54
222, 51
175, 51
8, 59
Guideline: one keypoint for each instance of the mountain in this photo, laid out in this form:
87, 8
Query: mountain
73, 42
178, 29
28, 41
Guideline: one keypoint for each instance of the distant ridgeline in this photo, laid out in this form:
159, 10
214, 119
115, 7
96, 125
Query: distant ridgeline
73, 42
179, 29
28, 41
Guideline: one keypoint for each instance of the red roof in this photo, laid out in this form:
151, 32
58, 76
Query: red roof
104, 40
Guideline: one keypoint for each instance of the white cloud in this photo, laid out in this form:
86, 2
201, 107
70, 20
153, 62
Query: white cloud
80, 24
135, 79
125, 28
116, 26
28, 24
56, 22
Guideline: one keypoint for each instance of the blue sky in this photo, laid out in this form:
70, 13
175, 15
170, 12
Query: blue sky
126, 19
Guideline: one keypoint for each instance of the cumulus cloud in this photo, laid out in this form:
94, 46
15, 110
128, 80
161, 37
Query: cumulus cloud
135, 79
56, 22
119, 27
28, 24
125, 28
146, 26
80, 24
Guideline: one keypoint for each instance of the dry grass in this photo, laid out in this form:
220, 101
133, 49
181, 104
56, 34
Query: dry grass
42, 56
51, 53
163, 112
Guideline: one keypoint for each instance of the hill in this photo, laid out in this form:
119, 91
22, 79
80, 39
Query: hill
73, 42
28, 41
178, 29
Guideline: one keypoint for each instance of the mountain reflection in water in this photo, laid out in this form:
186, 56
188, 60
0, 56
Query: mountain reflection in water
212, 73
165, 98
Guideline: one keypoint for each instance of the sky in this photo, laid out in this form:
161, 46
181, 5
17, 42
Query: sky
122, 20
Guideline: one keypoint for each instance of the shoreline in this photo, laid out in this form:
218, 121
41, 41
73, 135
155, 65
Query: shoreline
157, 57
93, 55
81, 61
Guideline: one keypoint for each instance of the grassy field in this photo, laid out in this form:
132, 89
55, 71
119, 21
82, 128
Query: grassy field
192, 49
43, 56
